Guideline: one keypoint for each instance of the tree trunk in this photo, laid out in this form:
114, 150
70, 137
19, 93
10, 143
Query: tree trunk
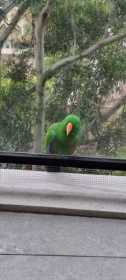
40, 123
0, 68
39, 67
41, 21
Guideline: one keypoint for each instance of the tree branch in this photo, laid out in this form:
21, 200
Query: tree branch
115, 100
45, 14
86, 53
116, 104
4, 35
7, 10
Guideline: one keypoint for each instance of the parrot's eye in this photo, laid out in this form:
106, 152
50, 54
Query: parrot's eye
69, 128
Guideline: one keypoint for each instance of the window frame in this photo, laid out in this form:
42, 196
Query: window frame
63, 160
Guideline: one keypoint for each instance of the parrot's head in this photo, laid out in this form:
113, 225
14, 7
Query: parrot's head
72, 125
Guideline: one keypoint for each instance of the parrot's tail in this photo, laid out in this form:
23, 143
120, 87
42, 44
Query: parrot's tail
53, 168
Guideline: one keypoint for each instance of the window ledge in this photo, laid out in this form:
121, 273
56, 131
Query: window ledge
63, 193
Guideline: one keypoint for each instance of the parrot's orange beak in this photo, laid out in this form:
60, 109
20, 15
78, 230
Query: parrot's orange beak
69, 128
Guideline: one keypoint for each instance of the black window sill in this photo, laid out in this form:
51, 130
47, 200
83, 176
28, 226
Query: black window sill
65, 161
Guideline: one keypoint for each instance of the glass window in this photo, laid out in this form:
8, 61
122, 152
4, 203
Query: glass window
62, 77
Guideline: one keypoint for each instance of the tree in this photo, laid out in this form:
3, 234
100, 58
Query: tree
7, 31
94, 85
89, 52
68, 33
40, 22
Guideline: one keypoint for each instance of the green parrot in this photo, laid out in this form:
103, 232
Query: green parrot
62, 137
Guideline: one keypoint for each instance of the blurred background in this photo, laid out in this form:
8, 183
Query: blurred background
48, 69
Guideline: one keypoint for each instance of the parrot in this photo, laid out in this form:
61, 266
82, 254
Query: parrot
62, 138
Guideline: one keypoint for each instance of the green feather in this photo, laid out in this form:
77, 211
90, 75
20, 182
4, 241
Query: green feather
57, 139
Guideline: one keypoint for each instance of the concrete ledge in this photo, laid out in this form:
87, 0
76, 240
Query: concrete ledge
62, 193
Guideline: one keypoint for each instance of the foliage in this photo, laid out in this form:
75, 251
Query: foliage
85, 20
17, 70
80, 88
86, 84
16, 110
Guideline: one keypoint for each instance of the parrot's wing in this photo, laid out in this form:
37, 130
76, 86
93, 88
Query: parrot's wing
51, 144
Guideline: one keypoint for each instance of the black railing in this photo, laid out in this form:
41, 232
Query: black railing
65, 161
